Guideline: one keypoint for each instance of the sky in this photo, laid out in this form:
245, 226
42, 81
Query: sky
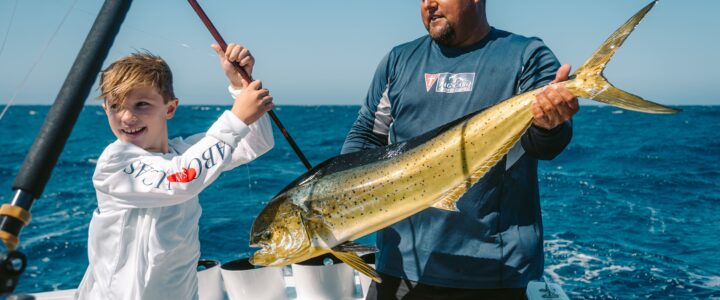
325, 52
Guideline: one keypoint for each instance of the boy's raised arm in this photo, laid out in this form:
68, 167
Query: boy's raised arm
128, 176
133, 177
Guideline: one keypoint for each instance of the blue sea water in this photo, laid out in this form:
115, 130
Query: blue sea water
630, 208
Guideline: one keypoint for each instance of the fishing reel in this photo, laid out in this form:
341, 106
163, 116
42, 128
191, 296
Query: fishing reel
12, 265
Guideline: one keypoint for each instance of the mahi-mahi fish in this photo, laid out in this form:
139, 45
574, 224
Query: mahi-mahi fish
352, 195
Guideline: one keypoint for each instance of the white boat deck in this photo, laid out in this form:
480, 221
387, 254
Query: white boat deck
289, 290
536, 291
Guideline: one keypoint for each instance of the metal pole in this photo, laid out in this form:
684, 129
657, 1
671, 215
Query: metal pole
49, 143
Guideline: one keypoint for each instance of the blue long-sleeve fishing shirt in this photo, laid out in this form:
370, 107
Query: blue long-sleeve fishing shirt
496, 240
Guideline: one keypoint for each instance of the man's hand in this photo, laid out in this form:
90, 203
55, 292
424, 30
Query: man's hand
235, 53
554, 104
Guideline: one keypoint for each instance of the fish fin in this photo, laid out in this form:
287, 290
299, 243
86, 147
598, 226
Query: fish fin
313, 215
355, 262
591, 84
449, 200
354, 247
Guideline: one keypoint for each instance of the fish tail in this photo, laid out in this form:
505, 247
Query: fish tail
590, 83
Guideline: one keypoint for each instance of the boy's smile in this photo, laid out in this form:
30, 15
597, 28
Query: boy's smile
142, 119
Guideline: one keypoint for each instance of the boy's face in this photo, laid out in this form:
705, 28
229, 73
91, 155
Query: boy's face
142, 120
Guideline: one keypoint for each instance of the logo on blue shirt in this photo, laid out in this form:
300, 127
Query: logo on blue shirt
450, 82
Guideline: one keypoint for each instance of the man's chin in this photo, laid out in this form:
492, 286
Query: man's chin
443, 35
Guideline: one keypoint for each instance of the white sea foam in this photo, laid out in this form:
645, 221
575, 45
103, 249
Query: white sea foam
592, 266
713, 282
590, 274
706, 281
554, 245
654, 219
55, 234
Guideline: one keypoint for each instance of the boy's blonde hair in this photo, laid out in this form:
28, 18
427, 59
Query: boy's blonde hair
137, 69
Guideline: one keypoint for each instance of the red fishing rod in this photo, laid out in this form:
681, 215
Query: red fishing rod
201, 13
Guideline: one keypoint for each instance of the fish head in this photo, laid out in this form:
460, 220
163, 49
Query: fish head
280, 233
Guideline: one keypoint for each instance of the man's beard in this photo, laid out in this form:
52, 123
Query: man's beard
445, 36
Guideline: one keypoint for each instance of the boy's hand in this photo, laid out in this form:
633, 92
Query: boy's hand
235, 53
252, 102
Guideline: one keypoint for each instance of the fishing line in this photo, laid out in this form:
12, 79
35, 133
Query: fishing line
208, 52
221, 42
7, 32
247, 167
42, 54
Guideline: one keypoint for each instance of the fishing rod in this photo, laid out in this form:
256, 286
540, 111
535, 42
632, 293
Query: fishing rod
201, 13
47, 147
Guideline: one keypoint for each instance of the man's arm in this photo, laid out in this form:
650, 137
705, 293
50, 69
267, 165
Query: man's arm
371, 129
550, 132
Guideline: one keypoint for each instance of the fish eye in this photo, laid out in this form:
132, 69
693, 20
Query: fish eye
266, 235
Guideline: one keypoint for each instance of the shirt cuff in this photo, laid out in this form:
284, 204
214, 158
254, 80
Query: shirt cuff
229, 129
234, 92
539, 131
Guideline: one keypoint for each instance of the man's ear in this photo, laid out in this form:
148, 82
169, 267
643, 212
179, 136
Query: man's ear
171, 108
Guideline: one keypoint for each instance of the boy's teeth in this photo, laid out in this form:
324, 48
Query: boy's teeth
133, 130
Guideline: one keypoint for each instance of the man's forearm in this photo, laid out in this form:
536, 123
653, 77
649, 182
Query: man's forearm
547, 144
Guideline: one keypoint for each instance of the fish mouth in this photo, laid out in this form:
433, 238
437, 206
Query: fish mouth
265, 258
262, 245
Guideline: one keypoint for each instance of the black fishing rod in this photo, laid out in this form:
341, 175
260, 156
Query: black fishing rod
201, 13
49, 143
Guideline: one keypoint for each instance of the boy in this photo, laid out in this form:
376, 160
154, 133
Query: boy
143, 238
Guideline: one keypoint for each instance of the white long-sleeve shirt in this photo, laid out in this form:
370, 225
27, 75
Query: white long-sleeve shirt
143, 238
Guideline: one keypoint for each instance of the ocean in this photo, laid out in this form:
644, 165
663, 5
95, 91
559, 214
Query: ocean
630, 208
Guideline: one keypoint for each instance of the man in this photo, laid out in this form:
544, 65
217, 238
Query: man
492, 248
